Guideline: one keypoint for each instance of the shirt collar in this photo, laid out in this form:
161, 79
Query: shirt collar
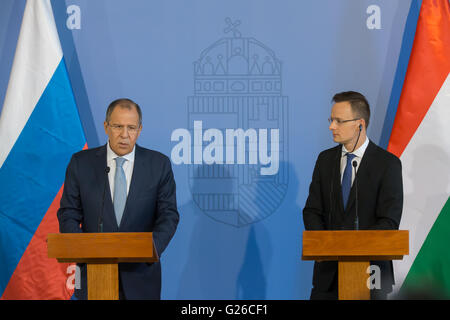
111, 155
358, 152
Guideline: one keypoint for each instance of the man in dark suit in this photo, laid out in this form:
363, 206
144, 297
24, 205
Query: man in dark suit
331, 201
121, 187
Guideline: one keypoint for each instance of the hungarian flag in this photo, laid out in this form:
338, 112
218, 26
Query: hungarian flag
39, 131
421, 138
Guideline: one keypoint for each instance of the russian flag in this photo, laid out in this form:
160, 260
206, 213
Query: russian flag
421, 138
39, 131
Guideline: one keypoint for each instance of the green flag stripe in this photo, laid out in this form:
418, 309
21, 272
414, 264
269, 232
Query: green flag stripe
429, 275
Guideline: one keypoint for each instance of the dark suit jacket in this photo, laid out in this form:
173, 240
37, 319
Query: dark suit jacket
380, 202
150, 207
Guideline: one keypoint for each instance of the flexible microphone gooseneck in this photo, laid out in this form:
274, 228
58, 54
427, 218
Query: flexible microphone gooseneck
100, 216
355, 164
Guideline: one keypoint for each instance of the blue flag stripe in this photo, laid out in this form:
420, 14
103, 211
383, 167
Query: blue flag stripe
34, 170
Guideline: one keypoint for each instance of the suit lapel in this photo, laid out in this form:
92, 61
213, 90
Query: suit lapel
108, 209
337, 182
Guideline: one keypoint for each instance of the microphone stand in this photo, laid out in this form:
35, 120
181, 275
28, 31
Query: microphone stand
355, 164
100, 217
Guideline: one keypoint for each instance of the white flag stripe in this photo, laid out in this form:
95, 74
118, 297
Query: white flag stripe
38, 41
426, 176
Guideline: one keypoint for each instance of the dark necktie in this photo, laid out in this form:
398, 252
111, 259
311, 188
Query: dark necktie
347, 179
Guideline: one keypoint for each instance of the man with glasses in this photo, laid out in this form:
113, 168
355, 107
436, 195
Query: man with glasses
122, 187
331, 201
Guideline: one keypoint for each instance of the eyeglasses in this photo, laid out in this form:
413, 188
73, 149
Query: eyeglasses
118, 128
339, 121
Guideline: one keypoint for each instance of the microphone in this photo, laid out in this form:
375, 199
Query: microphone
355, 164
100, 217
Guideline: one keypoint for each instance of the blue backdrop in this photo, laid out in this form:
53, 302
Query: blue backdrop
215, 78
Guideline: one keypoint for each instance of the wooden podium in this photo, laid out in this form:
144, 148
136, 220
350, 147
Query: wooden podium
102, 252
354, 250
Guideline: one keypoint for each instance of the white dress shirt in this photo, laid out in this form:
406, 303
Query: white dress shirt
127, 167
359, 153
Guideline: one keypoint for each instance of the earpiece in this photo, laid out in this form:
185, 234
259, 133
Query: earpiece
360, 127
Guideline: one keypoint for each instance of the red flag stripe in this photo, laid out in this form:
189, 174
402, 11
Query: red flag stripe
36, 276
428, 67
